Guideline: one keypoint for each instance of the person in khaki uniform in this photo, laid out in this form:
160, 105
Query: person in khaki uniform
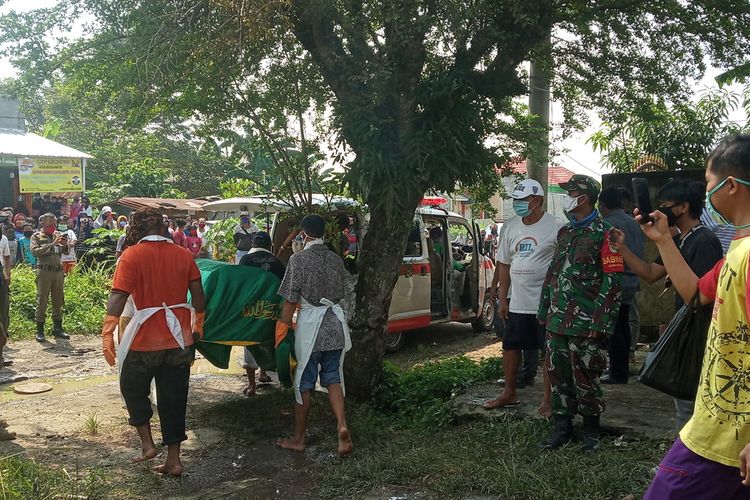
48, 245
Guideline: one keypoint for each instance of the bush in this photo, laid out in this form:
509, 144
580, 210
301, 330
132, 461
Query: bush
86, 292
422, 394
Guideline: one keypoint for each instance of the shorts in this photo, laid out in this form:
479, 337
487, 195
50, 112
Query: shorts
325, 364
683, 473
523, 333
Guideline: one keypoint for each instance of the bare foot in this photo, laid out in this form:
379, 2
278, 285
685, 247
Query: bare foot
291, 444
545, 409
502, 401
249, 391
174, 470
345, 442
146, 455
6, 435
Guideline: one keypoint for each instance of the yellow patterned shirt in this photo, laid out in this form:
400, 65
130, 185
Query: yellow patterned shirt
720, 427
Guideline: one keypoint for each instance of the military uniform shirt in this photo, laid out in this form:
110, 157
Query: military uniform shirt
46, 253
578, 297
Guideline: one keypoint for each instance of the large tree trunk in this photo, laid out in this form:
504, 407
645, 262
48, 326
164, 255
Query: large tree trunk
379, 261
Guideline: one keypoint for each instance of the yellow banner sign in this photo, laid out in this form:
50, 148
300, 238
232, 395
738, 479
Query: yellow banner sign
49, 175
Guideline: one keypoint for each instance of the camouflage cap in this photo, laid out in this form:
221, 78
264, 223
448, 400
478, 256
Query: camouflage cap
582, 183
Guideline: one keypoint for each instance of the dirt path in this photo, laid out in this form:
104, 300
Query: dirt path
82, 424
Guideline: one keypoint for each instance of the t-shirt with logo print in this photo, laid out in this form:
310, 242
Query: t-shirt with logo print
720, 426
528, 249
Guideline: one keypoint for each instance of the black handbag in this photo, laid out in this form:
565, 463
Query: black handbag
673, 366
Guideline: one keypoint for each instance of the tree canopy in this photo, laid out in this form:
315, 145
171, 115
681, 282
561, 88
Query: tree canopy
676, 135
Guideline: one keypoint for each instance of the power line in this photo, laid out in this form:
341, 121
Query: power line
581, 164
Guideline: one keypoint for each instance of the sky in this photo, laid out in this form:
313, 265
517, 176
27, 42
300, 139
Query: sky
578, 156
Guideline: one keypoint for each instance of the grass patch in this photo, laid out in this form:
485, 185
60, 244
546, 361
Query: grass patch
91, 425
498, 457
86, 292
421, 395
23, 478
406, 440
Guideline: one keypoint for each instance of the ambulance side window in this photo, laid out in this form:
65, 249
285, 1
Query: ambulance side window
414, 243
461, 240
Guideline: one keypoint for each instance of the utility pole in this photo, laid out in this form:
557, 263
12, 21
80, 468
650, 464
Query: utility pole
539, 101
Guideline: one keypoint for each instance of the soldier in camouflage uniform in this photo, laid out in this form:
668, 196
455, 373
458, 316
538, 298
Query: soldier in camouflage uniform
579, 306
48, 246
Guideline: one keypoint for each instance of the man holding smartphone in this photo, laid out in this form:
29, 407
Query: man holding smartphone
47, 246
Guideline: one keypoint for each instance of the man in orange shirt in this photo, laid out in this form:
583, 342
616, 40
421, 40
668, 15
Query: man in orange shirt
158, 343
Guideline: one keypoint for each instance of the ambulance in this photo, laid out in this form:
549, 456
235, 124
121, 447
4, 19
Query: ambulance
445, 274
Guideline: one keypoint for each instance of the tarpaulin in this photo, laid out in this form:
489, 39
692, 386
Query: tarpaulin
242, 307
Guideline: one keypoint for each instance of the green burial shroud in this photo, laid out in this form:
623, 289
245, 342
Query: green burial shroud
242, 307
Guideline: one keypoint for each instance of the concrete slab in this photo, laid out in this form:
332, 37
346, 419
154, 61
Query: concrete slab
632, 409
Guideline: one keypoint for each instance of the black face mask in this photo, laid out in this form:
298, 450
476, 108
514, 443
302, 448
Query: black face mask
671, 217
28, 233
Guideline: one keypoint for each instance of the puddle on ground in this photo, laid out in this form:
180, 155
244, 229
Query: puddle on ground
59, 386
202, 366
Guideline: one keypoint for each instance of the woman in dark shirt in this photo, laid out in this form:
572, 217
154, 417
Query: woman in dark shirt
682, 201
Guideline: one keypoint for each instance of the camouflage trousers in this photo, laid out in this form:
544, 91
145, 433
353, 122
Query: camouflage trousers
575, 365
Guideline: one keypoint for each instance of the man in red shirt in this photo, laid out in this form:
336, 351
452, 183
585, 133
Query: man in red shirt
158, 343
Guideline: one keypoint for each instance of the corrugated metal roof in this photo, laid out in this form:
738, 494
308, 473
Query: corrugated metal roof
163, 203
17, 143
555, 173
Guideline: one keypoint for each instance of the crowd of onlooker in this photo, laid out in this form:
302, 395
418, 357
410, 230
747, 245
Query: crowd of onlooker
77, 219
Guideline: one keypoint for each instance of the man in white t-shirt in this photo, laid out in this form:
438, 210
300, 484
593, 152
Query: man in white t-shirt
525, 250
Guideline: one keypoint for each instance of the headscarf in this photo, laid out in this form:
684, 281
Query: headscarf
122, 218
101, 219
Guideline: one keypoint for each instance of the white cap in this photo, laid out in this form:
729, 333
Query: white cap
526, 188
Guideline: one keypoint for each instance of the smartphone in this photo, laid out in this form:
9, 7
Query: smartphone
642, 198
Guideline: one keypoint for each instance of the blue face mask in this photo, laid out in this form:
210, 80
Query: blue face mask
715, 214
521, 208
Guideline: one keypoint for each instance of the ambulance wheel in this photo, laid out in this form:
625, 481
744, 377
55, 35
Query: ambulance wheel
394, 341
486, 320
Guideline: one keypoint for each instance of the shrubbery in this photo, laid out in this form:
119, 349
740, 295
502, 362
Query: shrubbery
422, 394
86, 292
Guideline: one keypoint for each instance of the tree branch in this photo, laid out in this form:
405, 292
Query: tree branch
315, 32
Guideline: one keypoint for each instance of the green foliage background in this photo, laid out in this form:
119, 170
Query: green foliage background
86, 292
681, 134
23, 478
